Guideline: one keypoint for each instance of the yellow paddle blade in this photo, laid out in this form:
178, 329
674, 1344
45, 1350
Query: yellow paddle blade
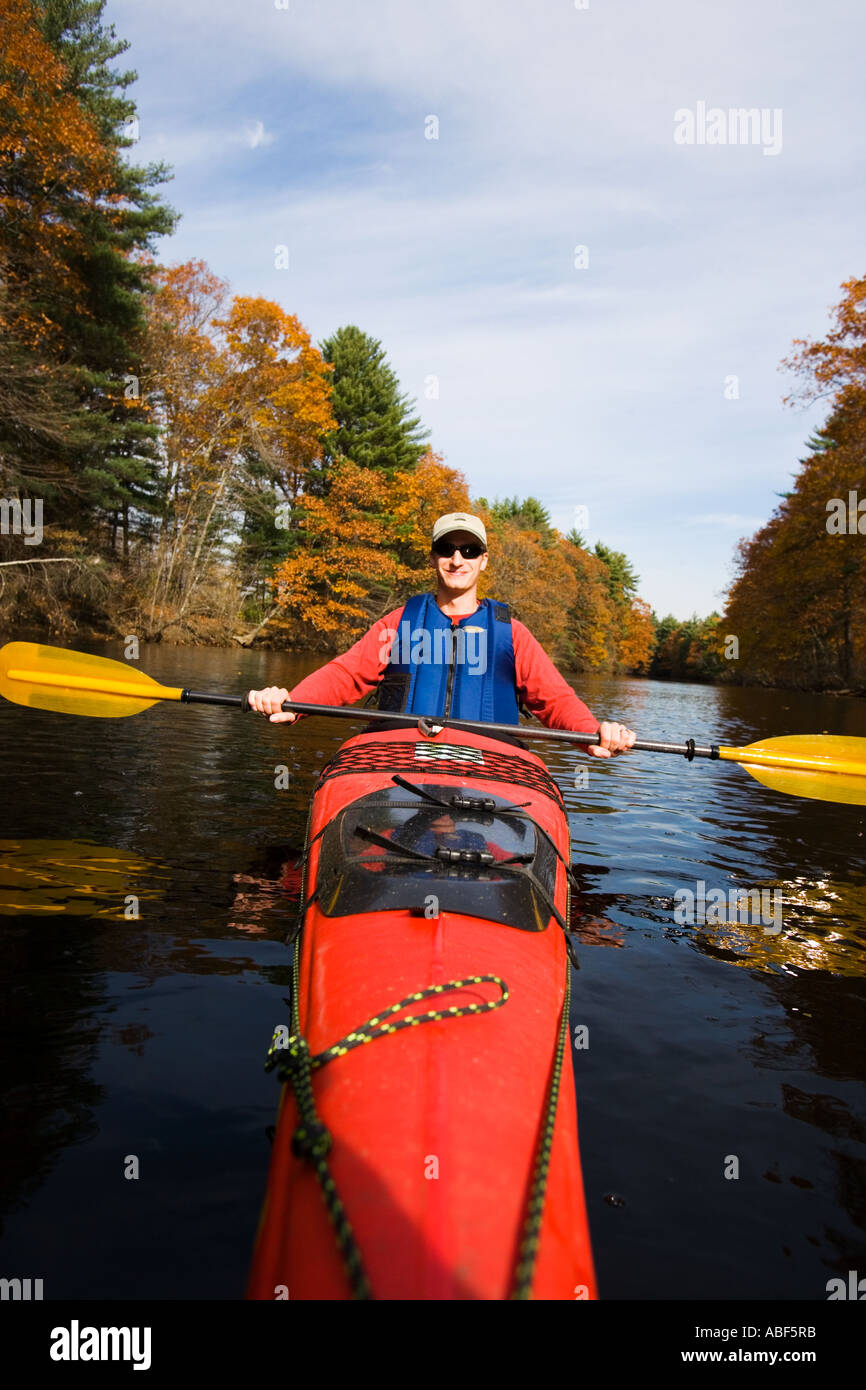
75, 683
825, 767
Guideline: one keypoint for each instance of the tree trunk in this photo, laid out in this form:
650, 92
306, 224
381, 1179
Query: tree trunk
247, 638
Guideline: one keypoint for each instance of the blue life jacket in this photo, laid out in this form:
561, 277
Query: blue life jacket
423, 837
458, 667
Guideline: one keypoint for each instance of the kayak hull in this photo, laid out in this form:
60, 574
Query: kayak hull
437, 1128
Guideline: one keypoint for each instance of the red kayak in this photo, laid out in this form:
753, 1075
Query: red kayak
426, 1146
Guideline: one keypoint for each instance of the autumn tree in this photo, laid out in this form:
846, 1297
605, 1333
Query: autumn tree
834, 367
51, 163
799, 594
534, 578
798, 598
592, 617
364, 548
242, 398
637, 641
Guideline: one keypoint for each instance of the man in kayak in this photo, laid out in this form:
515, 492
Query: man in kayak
450, 653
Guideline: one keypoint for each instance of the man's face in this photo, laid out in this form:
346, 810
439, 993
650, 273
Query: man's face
456, 572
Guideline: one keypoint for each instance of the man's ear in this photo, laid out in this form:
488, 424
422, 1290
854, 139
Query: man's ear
431, 560
484, 560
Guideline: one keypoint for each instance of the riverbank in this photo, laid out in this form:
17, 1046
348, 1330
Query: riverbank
218, 636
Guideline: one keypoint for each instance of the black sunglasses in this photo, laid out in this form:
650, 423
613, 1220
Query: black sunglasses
445, 549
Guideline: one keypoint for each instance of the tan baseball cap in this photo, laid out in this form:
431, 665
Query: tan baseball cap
459, 521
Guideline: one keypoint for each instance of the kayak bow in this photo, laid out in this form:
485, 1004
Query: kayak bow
426, 1146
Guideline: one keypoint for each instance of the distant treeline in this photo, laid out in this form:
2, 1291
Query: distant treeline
186, 465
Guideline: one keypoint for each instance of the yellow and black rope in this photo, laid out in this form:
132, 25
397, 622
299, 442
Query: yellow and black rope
528, 1248
294, 1065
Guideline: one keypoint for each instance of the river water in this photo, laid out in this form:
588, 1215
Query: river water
136, 1043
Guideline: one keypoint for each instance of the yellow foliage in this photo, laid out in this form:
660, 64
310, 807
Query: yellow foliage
636, 647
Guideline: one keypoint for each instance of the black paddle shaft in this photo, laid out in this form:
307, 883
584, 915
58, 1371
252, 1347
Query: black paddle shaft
427, 724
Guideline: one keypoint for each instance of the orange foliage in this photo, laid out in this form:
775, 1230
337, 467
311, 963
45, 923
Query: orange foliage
180, 356
345, 560
51, 163
249, 384
419, 496
798, 602
277, 385
592, 618
837, 363
536, 581
364, 547
250, 379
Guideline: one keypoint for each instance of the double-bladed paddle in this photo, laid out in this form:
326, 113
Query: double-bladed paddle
825, 767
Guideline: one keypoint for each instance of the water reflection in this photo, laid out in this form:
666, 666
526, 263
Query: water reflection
659, 823
41, 877
151, 1039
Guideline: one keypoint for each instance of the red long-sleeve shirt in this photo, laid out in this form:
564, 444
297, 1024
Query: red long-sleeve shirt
540, 687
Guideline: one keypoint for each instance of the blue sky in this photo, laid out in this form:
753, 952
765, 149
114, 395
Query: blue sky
602, 386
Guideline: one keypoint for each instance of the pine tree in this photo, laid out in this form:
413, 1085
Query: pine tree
375, 426
114, 449
622, 580
529, 514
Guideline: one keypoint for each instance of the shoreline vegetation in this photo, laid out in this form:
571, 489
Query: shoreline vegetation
184, 465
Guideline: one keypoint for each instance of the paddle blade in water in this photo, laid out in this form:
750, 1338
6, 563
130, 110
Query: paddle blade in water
76, 683
824, 767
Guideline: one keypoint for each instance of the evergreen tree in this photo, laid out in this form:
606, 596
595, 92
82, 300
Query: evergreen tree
375, 426
113, 453
622, 580
529, 514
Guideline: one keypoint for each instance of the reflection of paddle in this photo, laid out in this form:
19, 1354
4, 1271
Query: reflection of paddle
826, 767
49, 877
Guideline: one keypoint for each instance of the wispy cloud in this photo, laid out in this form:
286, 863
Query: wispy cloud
255, 135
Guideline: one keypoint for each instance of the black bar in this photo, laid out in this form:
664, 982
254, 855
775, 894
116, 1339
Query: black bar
213, 1340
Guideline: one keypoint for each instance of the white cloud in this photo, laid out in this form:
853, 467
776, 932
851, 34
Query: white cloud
255, 135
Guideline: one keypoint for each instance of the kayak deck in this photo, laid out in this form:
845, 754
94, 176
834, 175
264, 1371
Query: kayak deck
450, 1120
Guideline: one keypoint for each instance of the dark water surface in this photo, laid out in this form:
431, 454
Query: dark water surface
147, 1037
